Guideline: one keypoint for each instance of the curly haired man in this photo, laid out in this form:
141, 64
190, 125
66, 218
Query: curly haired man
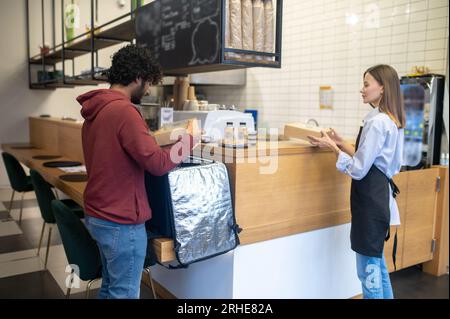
118, 149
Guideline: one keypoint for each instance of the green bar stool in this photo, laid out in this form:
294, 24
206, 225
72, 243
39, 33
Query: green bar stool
45, 196
81, 249
18, 179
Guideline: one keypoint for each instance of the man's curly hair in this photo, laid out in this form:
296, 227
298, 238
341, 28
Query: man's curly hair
131, 63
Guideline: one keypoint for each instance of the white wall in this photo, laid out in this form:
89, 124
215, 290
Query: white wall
321, 48
315, 264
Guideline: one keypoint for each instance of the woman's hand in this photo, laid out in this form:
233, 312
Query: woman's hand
324, 141
336, 137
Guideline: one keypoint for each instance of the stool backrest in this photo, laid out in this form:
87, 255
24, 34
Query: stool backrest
81, 249
44, 196
16, 174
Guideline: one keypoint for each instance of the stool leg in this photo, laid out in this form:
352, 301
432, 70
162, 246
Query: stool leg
21, 208
11, 201
48, 244
70, 286
40, 239
147, 270
88, 288
89, 285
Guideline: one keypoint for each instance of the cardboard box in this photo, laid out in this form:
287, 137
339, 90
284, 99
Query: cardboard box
302, 131
168, 137
170, 133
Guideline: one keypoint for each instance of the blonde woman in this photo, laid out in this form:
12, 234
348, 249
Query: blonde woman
372, 163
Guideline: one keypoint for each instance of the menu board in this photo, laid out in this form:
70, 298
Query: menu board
181, 33
148, 27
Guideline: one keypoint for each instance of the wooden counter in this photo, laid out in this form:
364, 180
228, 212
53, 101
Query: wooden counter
288, 188
285, 189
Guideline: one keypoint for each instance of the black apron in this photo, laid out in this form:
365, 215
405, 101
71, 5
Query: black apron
371, 216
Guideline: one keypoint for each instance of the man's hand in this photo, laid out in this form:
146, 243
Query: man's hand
193, 129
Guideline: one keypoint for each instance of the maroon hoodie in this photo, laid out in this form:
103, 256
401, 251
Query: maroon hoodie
118, 149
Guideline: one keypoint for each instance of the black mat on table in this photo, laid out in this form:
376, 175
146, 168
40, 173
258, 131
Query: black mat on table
76, 178
62, 164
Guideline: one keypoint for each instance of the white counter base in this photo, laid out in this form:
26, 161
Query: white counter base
316, 264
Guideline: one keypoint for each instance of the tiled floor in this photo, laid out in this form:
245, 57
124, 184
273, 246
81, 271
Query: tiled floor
412, 283
22, 273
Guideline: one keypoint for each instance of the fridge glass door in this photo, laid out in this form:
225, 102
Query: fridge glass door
415, 133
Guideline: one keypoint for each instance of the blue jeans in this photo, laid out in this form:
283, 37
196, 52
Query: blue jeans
122, 251
374, 277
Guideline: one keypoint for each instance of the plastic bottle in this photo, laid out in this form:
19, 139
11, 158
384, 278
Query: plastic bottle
442, 161
242, 135
228, 138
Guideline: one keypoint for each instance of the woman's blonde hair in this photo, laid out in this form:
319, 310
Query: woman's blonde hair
391, 101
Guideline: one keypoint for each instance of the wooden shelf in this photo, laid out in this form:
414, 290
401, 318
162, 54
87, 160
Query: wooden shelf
84, 82
37, 86
70, 83
227, 65
201, 69
81, 45
54, 85
57, 85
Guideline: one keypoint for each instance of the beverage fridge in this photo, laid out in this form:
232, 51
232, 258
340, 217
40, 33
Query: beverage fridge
424, 102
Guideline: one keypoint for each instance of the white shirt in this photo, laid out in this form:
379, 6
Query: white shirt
381, 143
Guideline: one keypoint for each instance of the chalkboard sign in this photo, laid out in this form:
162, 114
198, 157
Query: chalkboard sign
148, 27
181, 33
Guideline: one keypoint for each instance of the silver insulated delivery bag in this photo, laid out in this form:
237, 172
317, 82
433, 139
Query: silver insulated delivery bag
192, 204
